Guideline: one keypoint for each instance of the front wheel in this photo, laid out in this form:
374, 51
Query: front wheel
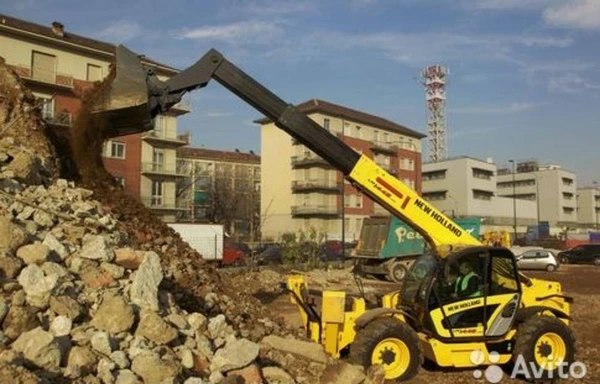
397, 272
390, 343
544, 343
564, 260
550, 268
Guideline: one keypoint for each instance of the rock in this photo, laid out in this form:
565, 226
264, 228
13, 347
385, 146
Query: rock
61, 326
137, 346
114, 316
37, 285
51, 268
276, 375
19, 298
197, 321
11, 236
101, 342
194, 380
35, 253
26, 213
144, 291
26, 168
18, 375
39, 348
217, 327
178, 321
343, 373
10, 266
155, 329
82, 361
250, 374
304, 349
3, 309
125, 376
96, 248
375, 375
115, 271
120, 358
11, 357
66, 306
236, 354
204, 345
43, 219
56, 247
128, 258
19, 320
215, 377
96, 278
187, 358
152, 369
105, 368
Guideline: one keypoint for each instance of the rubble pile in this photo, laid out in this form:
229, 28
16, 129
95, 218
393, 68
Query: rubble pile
94, 289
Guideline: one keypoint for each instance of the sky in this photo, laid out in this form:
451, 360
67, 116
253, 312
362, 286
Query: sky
524, 77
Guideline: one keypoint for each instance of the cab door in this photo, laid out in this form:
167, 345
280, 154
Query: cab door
487, 312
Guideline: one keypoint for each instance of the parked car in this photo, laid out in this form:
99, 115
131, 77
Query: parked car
268, 254
585, 253
234, 254
538, 259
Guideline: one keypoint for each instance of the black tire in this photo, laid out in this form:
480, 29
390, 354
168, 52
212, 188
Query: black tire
550, 268
397, 272
564, 260
531, 333
384, 330
597, 261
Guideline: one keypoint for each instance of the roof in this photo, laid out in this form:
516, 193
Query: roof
68, 37
326, 107
214, 154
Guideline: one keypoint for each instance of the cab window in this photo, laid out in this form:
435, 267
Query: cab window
503, 279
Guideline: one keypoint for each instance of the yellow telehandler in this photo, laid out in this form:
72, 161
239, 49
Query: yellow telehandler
462, 304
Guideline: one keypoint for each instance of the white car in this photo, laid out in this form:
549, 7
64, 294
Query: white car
538, 259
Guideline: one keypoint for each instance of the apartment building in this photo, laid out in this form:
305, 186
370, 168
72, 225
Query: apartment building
465, 186
223, 187
588, 207
552, 187
302, 191
59, 67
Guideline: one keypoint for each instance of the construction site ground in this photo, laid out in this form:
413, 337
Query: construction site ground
582, 282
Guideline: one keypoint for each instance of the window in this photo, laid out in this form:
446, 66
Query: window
43, 67
346, 225
568, 210
358, 201
375, 135
438, 195
482, 195
346, 129
159, 126
411, 165
157, 193
120, 181
503, 278
158, 159
117, 150
485, 174
358, 132
434, 175
94, 72
348, 200
386, 137
326, 123
567, 181
47, 104
567, 195
358, 224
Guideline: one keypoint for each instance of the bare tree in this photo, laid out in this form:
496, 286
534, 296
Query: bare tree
223, 202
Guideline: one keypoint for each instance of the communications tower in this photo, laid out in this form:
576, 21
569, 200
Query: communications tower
434, 79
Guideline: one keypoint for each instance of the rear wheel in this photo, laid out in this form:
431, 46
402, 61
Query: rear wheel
550, 268
397, 272
597, 261
546, 342
390, 343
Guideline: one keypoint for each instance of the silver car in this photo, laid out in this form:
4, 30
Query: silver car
537, 259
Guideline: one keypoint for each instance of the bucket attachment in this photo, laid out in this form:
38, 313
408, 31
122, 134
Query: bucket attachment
123, 105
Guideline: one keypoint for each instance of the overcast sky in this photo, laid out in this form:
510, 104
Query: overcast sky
524, 74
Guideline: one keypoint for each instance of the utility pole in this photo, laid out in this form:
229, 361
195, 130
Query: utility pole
343, 201
514, 201
596, 202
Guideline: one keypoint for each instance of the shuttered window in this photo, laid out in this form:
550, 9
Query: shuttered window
94, 72
43, 67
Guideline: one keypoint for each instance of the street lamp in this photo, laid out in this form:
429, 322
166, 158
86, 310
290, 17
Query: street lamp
514, 200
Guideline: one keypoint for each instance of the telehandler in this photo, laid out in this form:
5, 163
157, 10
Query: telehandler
462, 304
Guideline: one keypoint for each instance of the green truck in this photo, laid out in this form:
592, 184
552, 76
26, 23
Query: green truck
387, 246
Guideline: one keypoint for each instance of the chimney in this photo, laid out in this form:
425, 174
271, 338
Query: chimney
58, 28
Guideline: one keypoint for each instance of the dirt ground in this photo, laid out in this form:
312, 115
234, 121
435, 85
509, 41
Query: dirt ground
582, 282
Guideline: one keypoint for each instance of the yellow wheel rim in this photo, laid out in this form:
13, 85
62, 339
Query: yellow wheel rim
550, 351
393, 355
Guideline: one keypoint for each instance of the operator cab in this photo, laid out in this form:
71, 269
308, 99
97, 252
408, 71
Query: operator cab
472, 294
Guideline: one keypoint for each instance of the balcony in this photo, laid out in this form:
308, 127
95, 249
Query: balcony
181, 108
163, 169
309, 161
316, 185
383, 147
52, 78
316, 211
162, 137
162, 203
62, 120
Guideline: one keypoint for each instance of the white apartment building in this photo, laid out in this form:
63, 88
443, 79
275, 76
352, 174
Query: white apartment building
466, 187
588, 207
300, 191
552, 187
